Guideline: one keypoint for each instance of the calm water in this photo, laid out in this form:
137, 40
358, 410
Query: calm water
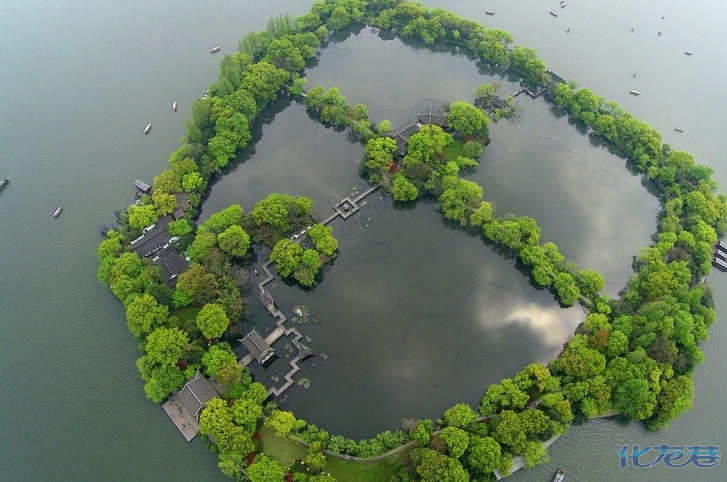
85, 77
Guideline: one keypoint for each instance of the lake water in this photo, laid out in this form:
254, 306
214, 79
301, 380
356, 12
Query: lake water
83, 79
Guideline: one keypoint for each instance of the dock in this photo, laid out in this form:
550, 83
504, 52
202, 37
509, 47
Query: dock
187, 426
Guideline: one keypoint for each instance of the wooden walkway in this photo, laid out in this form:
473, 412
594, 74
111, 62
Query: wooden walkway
344, 208
533, 95
347, 206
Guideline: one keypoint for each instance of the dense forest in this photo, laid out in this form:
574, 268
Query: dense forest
634, 355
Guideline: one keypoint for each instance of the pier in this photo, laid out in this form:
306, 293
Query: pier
347, 206
533, 95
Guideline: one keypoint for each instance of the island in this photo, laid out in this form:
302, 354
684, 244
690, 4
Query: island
181, 282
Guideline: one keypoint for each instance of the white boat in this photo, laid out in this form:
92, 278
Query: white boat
174, 106
147, 128
634, 92
688, 52
554, 13
58, 211
490, 12
214, 49
559, 476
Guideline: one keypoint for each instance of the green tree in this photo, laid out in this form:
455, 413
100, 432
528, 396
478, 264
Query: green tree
468, 120
287, 256
164, 380
179, 228
141, 216
192, 182
264, 80
322, 237
256, 392
165, 346
634, 399
246, 414
212, 320
216, 360
164, 203
510, 431
283, 54
144, 315
435, 467
674, 398
460, 415
402, 189
456, 439
457, 201
308, 268
503, 395
234, 241
197, 283
535, 453
109, 247
202, 245
380, 153
265, 469
281, 422
217, 420
422, 433
483, 454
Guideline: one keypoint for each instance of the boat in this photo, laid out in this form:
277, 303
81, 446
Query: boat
58, 211
214, 49
679, 129
719, 263
688, 52
147, 128
634, 92
554, 13
490, 12
174, 106
142, 186
563, 4
659, 33
4, 183
559, 476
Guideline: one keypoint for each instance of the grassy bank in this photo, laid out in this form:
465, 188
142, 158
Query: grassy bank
286, 450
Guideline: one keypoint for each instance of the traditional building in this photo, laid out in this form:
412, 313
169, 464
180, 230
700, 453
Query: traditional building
257, 346
171, 263
184, 406
153, 238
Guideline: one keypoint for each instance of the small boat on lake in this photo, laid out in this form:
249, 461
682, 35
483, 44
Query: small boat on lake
214, 49
634, 92
559, 476
490, 12
688, 52
58, 211
4, 183
174, 106
679, 129
554, 13
147, 128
